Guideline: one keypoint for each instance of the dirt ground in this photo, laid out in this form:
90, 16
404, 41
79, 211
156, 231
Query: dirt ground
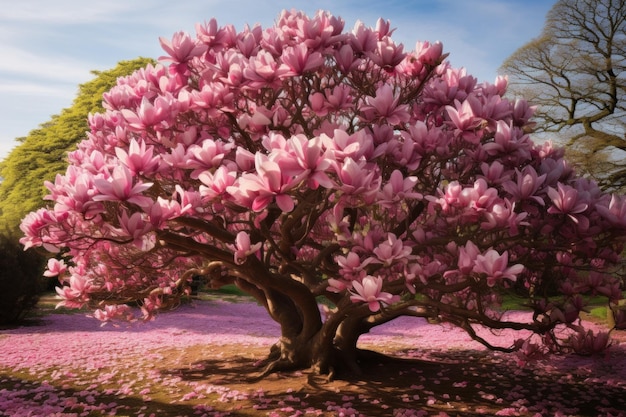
454, 383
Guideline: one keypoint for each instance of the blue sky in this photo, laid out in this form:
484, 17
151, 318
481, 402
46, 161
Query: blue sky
49, 47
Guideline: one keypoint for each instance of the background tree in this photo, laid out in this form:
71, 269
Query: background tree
303, 161
43, 153
21, 281
575, 72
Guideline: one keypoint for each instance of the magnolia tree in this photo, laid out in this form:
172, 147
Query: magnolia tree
304, 163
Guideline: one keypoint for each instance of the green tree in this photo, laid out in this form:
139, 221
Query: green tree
42, 154
21, 280
575, 71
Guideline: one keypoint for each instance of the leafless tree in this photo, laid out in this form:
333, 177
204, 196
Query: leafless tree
575, 72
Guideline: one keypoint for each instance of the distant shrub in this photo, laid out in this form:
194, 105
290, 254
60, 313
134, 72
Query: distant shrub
20, 280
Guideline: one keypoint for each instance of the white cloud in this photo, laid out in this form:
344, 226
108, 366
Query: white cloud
36, 89
51, 46
21, 63
64, 12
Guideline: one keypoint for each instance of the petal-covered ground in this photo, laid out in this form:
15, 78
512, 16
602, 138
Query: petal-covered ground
197, 360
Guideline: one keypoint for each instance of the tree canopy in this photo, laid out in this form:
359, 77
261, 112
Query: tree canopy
43, 153
575, 72
304, 161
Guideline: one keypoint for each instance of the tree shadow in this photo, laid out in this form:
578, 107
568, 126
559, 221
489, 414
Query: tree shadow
463, 382
35, 398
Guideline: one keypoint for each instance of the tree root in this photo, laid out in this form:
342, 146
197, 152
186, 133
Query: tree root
337, 364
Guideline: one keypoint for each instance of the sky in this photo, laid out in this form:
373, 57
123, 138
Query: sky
49, 47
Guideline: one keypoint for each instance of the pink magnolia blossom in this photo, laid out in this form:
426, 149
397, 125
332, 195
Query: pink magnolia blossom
398, 188
352, 266
463, 117
358, 179
134, 226
206, 156
388, 54
565, 200
263, 71
181, 48
586, 342
504, 215
267, 184
299, 59
76, 294
480, 197
615, 211
364, 39
55, 268
215, 185
344, 145
385, 106
311, 156
149, 114
112, 313
243, 248
496, 267
429, 53
119, 187
369, 291
139, 158
392, 250
526, 186
468, 255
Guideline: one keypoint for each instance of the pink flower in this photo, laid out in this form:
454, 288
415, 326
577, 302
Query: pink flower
111, 313
358, 179
263, 71
181, 48
496, 267
467, 257
615, 211
346, 59
392, 250
429, 53
480, 197
310, 156
450, 197
216, 184
35, 223
526, 186
352, 266
387, 54
503, 215
134, 226
119, 187
463, 116
243, 248
148, 114
268, 183
55, 268
369, 291
565, 200
587, 343
299, 59
208, 155
139, 158
338, 285
384, 106
397, 189
364, 39
76, 294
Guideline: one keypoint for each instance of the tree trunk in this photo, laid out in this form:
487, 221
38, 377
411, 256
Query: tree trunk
331, 350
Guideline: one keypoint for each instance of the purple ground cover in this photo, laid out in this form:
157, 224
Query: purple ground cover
68, 365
